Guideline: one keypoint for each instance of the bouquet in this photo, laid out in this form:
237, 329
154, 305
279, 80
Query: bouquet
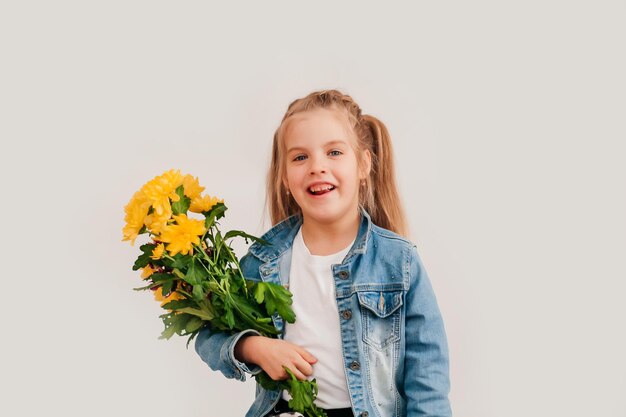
193, 271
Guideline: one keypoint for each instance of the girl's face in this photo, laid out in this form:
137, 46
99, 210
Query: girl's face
321, 167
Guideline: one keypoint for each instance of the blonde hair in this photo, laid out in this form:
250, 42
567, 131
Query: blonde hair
379, 195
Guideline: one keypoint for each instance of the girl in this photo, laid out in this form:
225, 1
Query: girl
368, 326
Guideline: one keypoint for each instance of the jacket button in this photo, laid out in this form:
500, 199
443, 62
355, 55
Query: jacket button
346, 314
355, 366
365, 414
343, 274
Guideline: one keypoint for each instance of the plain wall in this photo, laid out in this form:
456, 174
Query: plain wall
508, 126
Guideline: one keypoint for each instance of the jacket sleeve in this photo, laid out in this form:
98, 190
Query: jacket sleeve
217, 349
426, 363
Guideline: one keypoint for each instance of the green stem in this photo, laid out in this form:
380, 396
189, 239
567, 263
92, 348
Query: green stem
200, 249
234, 259
177, 272
262, 327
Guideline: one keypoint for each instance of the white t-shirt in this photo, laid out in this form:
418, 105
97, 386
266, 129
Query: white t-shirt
317, 321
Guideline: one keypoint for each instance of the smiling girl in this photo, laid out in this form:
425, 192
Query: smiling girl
368, 326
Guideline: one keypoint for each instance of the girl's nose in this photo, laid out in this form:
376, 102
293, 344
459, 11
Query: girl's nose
317, 166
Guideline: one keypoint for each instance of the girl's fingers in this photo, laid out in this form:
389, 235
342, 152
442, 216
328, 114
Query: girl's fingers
305, 368
301, 369
306, 355
297, 373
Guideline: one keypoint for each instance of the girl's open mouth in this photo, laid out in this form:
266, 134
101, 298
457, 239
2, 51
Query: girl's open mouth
323, 191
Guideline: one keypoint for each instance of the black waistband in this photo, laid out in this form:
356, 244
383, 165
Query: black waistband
283, 407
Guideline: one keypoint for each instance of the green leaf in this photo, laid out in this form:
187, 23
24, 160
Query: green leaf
180, 261
195, 272
202, 314
194, 334
259, 292
144, 259
245, 235
249, 315
166, 288
182, 205
228, 318
174, 324
266, 382
147, 287
216, 212
278, 300
303, 394
198, 292
193, 324
162, 276
179, 304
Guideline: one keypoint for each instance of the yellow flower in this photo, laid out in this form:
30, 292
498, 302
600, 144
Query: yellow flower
182, 235
203, 203
136, 211
147, 271
161, 189
156, 193
156, 223
158, 295
157, 252
192, 186
155, 197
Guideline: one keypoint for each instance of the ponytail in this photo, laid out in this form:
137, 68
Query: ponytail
381, 198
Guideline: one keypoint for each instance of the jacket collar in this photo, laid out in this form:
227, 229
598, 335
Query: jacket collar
281, 237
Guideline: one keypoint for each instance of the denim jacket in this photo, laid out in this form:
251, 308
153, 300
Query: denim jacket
395, 349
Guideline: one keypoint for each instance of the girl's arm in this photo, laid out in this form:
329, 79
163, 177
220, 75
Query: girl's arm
236, 354
273, 354
426, 363
247, 351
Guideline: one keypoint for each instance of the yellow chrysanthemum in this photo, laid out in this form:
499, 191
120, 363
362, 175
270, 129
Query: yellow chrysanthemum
136, 211
182, 235
203, 203
192, 186
147, 271
161, 189
158, 295
158, 251
156, 223
158, 193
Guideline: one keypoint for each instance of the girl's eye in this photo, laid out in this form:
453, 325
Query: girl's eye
333, 152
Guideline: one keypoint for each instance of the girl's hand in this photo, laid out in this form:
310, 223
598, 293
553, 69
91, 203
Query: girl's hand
271, 354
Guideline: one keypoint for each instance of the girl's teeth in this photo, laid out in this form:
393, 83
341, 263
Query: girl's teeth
321, 190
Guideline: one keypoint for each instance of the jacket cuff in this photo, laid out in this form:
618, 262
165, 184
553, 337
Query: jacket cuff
241, 367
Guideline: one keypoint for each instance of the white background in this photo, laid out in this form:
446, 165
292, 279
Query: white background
508, 126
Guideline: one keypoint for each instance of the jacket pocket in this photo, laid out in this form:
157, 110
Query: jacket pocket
380, 315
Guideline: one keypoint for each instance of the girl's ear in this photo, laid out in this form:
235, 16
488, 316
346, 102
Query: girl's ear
366, 164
